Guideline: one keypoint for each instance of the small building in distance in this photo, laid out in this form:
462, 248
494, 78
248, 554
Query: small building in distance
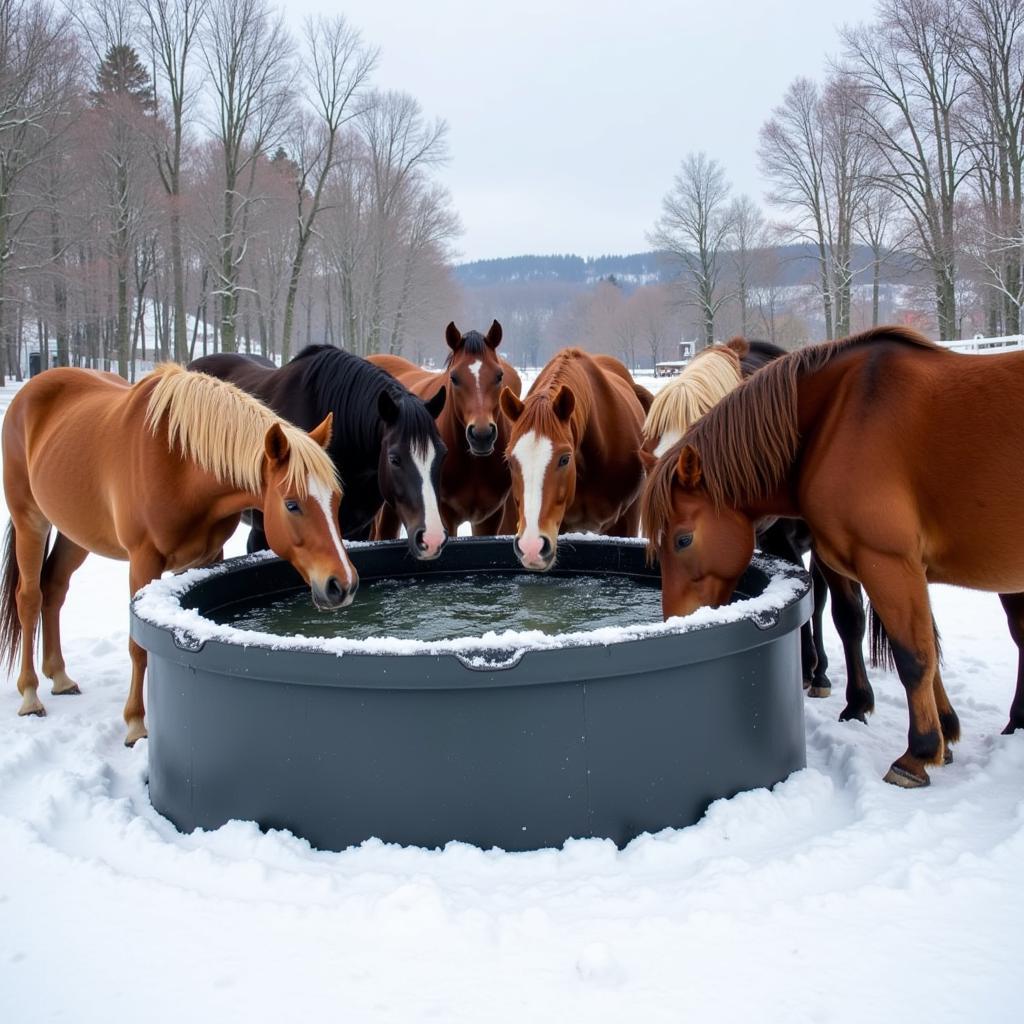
673, 367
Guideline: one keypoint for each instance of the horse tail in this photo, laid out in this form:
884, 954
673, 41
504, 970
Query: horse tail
881, 646
10, 624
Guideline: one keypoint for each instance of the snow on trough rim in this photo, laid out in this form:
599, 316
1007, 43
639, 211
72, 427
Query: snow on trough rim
831, 898
160, 604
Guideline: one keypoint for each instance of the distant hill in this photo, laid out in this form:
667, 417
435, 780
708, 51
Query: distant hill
798, 265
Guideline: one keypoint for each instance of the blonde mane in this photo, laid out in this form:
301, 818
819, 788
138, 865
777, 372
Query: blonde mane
700, 387
222, 429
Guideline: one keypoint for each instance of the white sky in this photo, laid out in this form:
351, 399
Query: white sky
568, 119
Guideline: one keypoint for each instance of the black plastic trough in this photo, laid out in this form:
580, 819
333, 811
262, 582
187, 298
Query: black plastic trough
607, 740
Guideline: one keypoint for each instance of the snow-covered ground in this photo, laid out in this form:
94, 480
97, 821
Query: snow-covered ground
832, 898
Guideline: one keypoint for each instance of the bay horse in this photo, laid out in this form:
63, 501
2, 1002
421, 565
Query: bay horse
902, 457
385, 443
156, 473
574, 453
703, 383
475, 479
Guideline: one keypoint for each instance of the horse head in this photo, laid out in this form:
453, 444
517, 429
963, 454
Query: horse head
543, 462
475, 377
703, 549
409, 471
300, 515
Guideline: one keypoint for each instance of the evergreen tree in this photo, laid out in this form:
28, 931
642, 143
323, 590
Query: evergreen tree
121, 73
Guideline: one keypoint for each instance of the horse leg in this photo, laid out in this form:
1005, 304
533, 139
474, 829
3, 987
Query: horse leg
947, 718
850, 622
1013, 605
386, 525
30, 533
821, 685
257, 540
899, 595
509, 516
145, 565
62, 561
490, 526
628, 524
780, 540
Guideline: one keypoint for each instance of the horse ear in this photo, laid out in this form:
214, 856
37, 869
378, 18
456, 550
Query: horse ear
436, 404
388, 408
275, 444
511, 404
493, 336
322, 434
688, 468
739, 345
649, 459
453, 336
564, 403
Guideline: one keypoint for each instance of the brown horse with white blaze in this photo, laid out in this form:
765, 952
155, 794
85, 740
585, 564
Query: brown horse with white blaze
903, 459
574, 453
475, 480
158, 474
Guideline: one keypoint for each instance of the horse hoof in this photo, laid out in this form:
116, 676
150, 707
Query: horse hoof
32, 707
136, 732
897, 776
1011, 728
67, 689
819, 691
947, 756
849, 714
807, 684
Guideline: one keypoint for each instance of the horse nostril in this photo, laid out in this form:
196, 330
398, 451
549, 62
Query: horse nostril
516, 547
492, 433
334, 591
419, 541
471, 432
545, 547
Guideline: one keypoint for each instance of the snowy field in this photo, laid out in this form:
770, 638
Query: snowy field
833, 897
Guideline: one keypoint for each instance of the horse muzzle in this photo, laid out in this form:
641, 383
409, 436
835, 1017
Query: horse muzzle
426, 545
481, 442
536, 553
333, 592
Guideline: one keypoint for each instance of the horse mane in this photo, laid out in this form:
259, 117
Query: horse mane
222, 429
473, 343
701, 386
350, 387
538, 412
749, 440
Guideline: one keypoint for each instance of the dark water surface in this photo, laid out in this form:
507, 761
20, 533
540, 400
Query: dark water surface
444, 606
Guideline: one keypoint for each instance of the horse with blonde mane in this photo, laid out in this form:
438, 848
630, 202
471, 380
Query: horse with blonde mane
708, 378
902, 457
156, 473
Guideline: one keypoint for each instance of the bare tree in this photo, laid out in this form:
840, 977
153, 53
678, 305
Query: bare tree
172, 33
745, 239
692, 231
911, 88
248, 56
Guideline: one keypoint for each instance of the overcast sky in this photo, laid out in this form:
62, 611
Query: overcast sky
568, 119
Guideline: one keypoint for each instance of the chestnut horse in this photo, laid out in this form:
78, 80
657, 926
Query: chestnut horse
156, 473
904, 460
574, 452
475, 480
702, 385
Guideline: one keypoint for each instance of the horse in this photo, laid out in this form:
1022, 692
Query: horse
385, 443
156, 473
703, 383
902, 457
475, 479
574, 453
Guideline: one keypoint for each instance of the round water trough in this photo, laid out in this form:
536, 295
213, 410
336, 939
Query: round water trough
511, 743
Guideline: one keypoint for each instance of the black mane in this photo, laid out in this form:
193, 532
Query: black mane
473, 342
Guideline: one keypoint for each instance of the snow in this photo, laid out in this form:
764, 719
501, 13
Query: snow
833, 897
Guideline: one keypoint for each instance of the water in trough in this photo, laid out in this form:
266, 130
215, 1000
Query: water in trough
440, 606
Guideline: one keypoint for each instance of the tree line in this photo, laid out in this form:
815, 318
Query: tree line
911, 143
183, 176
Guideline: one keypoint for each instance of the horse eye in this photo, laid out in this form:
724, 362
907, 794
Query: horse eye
293, 506
684, 540
455, 380
501, 376
395, 459
564, 460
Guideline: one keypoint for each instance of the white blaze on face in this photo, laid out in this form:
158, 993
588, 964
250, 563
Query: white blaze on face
474, 368
433, 525
533, 453
321, 494
668, 439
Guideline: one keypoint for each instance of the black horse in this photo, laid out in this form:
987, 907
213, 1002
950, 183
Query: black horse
384, 442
